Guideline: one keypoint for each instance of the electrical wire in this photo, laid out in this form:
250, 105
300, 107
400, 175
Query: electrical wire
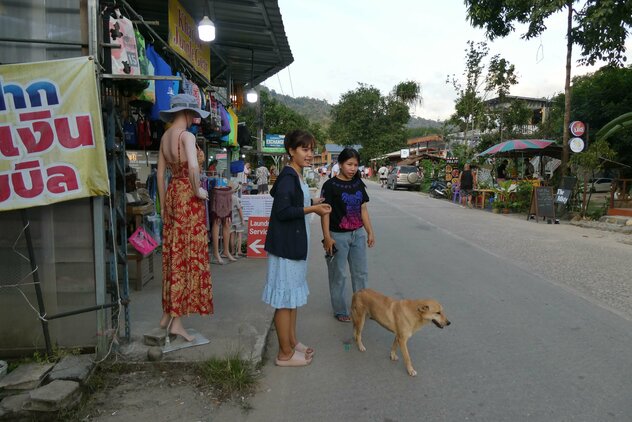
280, 84
291, 84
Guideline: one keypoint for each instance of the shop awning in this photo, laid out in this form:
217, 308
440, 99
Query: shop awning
244, 29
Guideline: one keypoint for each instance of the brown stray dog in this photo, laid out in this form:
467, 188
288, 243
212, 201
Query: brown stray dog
402, 317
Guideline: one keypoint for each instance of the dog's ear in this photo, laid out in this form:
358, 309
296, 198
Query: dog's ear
424, 308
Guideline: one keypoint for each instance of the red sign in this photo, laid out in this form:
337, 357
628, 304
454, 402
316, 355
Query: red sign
577, 128
257, 231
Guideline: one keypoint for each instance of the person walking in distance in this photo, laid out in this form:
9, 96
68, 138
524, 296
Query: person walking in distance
347, 231
467, 182
383, 173
287, 246
186, 271
262, 175
335, 169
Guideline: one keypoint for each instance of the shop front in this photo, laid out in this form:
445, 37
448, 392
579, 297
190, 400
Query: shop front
69, 284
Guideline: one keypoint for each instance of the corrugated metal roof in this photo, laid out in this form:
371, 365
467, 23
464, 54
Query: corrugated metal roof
243, 27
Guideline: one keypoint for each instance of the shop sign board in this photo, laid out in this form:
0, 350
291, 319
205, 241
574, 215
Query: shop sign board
51, 134
273, 144
257, 231
577, 128
257, 205
183, 38
404, 153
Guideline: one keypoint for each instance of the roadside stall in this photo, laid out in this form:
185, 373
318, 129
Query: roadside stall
518, 165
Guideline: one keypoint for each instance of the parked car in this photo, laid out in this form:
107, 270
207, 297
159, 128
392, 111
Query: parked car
403, 176
601, 184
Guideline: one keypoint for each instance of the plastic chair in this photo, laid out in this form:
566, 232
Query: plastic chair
456, 193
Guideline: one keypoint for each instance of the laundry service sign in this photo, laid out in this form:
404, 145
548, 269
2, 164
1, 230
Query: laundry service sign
51, 134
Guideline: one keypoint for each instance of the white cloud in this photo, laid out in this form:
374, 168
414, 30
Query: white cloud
338, 43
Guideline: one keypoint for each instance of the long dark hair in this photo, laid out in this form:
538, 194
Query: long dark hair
347, 154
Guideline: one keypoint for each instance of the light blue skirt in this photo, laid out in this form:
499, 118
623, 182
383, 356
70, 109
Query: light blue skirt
286, 285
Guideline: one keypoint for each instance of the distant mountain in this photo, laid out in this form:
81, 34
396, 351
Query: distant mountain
421, 122
318, 111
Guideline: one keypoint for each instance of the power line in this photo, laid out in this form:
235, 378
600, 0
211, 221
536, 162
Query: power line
280, 85
291, 84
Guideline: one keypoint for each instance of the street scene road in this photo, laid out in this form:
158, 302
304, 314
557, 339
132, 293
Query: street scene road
541, 324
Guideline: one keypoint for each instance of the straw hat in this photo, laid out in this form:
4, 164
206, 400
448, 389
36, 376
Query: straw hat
182, 102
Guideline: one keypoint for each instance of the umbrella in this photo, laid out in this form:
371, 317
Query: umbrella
516, 145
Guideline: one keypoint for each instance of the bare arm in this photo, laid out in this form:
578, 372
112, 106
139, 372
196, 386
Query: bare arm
366, 220
188, 139
160, 178
329, 242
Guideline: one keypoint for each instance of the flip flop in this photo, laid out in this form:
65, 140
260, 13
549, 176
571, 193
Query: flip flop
297, 359
300, 347
343, 318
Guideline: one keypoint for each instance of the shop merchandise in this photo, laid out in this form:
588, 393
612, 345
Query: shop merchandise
125, 58
162, 87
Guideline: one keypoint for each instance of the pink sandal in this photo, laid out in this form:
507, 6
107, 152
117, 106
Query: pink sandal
308, 351
297, 359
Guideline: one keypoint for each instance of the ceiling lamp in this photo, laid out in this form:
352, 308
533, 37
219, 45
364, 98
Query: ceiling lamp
206, 29
251, 95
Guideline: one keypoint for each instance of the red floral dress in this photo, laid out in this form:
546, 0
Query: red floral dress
187, 286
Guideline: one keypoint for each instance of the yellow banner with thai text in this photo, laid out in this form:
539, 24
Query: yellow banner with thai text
183, 38
51, 135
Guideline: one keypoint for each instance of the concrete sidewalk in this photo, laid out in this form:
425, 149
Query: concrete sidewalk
240, 323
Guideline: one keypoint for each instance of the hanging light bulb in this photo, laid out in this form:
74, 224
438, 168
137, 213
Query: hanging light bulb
252, 96
206, 29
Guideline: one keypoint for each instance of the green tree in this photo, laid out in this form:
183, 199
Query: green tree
366, 117
588, 163
479, 81
598, 98
600, 30
468, 107
274, 117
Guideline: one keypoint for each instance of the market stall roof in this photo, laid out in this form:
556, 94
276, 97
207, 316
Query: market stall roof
524, 147
247, 31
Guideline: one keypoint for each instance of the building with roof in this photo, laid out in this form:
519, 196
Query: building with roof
330, 154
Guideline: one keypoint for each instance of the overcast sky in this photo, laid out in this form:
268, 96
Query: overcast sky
338, 43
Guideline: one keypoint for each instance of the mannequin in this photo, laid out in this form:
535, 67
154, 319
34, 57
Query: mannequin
221, 209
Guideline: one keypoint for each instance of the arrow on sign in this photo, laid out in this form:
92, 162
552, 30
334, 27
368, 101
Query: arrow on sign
256, 246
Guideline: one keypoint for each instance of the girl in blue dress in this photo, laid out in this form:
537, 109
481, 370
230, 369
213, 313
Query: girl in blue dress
286, 243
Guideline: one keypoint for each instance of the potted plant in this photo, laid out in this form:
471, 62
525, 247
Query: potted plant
502, 194
496, 206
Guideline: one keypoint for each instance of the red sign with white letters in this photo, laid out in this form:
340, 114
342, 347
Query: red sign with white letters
577, 128
257, 231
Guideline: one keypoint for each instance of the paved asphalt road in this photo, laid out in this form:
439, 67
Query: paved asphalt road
541, 325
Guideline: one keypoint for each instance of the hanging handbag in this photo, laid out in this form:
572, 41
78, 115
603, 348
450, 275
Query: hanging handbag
142, 241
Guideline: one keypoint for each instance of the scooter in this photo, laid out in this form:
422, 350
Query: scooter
438, 189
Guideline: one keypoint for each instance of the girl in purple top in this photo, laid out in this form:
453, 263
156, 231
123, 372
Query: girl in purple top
347, 231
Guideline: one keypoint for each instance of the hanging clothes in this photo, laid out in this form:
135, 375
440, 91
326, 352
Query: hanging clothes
221, 204
163, 88
125, 58
144, 132
129, 132
146, 68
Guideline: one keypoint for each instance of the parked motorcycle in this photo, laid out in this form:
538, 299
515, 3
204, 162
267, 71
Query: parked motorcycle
438, 189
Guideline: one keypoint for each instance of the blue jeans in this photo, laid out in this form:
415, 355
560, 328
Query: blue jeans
351, 248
